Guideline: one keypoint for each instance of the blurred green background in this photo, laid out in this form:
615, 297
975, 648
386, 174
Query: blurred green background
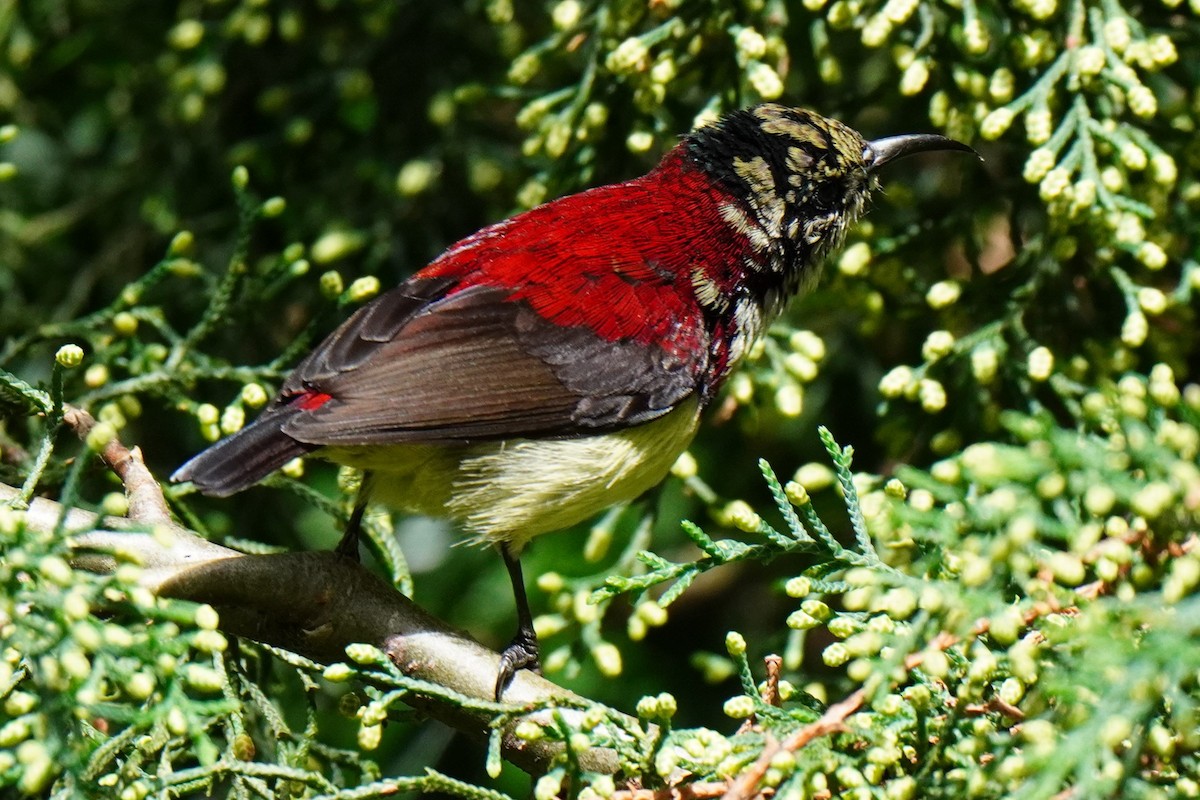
375, 134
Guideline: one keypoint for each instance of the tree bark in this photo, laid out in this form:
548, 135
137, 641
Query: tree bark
315, 604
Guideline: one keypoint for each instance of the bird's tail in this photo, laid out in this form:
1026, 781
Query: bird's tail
245, 458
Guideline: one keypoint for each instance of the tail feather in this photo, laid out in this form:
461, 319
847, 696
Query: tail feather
244, 458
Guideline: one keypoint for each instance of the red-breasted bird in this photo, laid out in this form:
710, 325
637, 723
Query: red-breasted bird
557, 362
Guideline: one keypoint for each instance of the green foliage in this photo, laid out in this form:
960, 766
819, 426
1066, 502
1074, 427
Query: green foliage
1002, 603
116, 692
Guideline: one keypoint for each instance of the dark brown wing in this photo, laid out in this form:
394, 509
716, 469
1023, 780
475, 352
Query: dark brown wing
476, 365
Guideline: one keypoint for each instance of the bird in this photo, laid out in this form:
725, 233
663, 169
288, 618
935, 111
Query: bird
557, 362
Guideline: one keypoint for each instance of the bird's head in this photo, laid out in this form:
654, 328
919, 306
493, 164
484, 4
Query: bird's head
796, 180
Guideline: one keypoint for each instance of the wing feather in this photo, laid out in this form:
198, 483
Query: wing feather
475, 364
358, 338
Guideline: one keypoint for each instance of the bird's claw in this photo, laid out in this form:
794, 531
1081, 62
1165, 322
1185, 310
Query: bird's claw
521, 653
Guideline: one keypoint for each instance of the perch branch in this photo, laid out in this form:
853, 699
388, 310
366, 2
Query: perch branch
312, 603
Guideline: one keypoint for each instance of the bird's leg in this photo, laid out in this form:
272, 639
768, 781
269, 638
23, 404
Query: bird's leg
348, 546
522, 651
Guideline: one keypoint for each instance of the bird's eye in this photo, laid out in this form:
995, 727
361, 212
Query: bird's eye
826, 196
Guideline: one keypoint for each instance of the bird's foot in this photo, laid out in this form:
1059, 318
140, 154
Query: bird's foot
347, 546
521, 653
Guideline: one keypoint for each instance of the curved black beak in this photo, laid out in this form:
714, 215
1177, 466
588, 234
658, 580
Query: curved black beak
881, 151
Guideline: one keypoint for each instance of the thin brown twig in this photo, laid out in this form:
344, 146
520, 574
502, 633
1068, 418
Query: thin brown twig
995, 704
746, 785
770, 694
146, 501
770, 690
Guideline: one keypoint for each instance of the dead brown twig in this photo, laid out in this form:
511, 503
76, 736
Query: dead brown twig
146, 501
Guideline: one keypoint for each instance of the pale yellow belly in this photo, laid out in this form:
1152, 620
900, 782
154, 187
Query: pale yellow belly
514, 490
